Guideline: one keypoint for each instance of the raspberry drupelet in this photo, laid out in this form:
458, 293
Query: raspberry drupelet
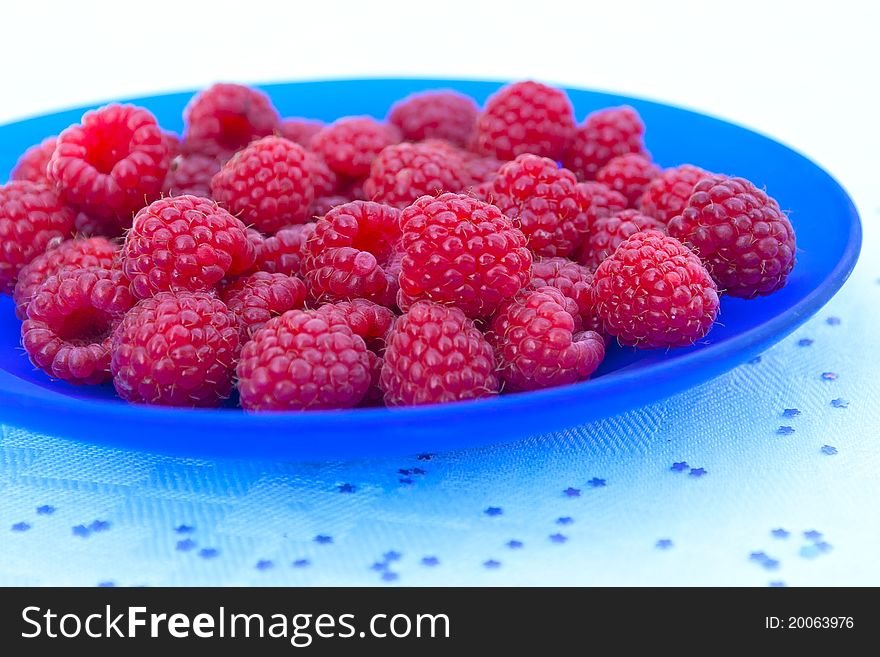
367, 319
668, 194
70, 324
574, 281
33, 164
463, 252
628, 174
257, 298
435, 354
604, 134
608, 232
441, 114
604, 201
401, 173
230, 115
111, 164
349, 145
191, 175
283, 252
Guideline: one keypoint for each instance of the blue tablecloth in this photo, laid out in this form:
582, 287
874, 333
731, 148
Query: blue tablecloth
765, 476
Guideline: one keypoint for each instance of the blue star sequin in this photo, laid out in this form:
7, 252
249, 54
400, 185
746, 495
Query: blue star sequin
699, 472
345, 488
595, 482
681, 466
81, 531
419, 471
99, 525
430, 561
757, 556
829, 376
392, 555
20, 527
565, 520
764, 560
790, 412
264, 564
823, 546
185, 545
379, 566
780, 533
572, 492
425, 457
389, 576
404, 472
770, 564
513, 544
184, 529
493, 511
45, 510
209, 553
491, 564
833, 321
805, 342
839, 403
558, 538
406, 481
785, 430
663, 544
829, 450
323, 539
813, 535
301, 563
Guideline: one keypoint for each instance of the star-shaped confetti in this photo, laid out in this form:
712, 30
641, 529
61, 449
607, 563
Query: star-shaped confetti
345, 488
209, 553
323, 539
780, 533
757, 556
491, 564
20, 527
392, 555
494, 511
829, 450
595, 482
185, 545
785, 430
770, 564
805, 342
264, 564
564, 520
184, 529
791, 412
430, 561
839, 403
379, 566
833, 321
45, 510
558, 538
681, 466
699, 472
663, 544
301, 563
823, 546
99, 525
389, 576
829, 376
425, 457
419, 471
813, 535
406, 481
81, 531
572, 492
514, 544
404, 471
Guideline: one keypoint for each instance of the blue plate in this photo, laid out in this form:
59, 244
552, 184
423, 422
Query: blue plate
828, 235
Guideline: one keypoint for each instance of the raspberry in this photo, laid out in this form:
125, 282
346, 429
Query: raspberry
604, 134
267, 184
349, 145
112, 164
172, 143
301, 361
184, 243
435, 354
743, 238
33, 163
574, 281
78, 254
403, 172
283, 252
628, 174
668, 194
353, 189
31, 218
324, 181
300, 130
604, 201
231, 115
365, 318
374, 395
257, 298
525, 117
482, 169
537, 342
323, 205
441, 114
346, 256
206, 148
191, 174
176, 349
654, 292
71, 320
545, 202
609, 232
461, 251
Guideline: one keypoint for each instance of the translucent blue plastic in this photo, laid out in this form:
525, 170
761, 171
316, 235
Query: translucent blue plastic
828, 236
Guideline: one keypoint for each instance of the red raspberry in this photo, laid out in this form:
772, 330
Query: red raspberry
31, 218
71, 320
300, 130
525, 117
668, 194
482, 169
461, 251
323, 205
267, 184
346, 256
283, 252
353, 189
257, 298
537, 342
86, 226
184, 243
231, 115
442, 114
609, 232
77, 254
743, 238
112, 164
206, 148
604, 134
33, 163
374, 395
403, 172
367, 319
191, 174
574, 281
300, 361
172, 142
604, 201
324, 181
435, 354
176, 349
654, 292
349, 145
628, 174
544, 202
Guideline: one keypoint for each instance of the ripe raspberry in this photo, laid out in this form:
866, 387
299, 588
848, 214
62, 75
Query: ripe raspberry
544, 202
324, 181
172, 142
604, 201
435, 354
190, 174
33, 163
349, 145
283, 252
481, 169
77, 254
300, 130
86, 226
403, 172
442, 114
206, 148
610, 231
628, 174
525, 117
257, 298
461, 251
741, 235
374, 395
176, 349
347, 255
323, 205
353, 189
184, 243
668, 194
574, 281
367, 319
300, 361
267, 184
231, 115
654, 292
112, 164
537, 342
604, 134
31, 218
71, 320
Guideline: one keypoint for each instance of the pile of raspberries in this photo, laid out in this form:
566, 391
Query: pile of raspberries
449, 252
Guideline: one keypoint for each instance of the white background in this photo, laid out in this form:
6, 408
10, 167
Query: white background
804, 72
